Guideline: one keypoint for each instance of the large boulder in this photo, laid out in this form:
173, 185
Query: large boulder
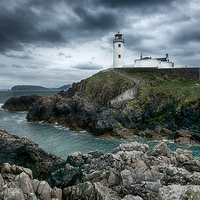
26, 153
22, 103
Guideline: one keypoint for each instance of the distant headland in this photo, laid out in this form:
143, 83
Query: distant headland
37, 88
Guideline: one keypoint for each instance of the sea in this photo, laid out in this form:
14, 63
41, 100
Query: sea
62, 141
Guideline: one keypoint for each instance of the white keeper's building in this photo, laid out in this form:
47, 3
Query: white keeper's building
118, 57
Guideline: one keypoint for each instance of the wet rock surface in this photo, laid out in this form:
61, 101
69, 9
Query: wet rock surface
24, 152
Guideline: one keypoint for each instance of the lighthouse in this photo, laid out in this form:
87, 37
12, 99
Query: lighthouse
118, 51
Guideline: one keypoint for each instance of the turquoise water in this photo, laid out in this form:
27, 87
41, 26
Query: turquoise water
63, 141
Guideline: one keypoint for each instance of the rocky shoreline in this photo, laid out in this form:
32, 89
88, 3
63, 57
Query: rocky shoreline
95, 105
132, 171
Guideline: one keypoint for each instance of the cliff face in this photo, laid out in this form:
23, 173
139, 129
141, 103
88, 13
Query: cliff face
84, 106
167, 105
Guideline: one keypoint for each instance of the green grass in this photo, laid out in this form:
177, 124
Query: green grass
184, 91
106, 82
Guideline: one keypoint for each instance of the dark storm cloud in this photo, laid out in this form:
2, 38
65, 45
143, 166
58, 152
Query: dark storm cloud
21, 26
96, 20
188, 34
88, 66
37, 21
132, 3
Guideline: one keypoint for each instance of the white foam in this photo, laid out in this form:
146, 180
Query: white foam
59, 126
1, 104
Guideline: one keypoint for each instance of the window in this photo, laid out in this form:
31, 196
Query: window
119, 56
119, 45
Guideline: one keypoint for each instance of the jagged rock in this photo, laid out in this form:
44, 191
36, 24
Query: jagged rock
11, 191
83, 190
56, 193
22, 103
131, 197
23, 188
23, 181
1, 181
160, 149
31, 196
104, 193
35, 184
132, 146
132, 169
179, 192
44, 190
24, 152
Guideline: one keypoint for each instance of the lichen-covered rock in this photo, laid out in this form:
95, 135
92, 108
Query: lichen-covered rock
179, 192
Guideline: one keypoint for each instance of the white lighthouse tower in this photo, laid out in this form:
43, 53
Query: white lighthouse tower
118, 51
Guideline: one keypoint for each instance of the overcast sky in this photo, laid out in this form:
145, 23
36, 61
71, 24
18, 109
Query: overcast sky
56, 42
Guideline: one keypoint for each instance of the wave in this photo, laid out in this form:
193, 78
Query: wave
1, 104
60, 127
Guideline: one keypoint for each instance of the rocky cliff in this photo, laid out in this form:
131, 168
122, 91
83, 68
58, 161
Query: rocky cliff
85, 105
163, 105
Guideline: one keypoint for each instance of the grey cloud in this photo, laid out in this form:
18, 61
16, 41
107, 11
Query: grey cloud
17, 66
25, 56
2, 66
132, 3
88, 66
33, 66
188, 34
69, 56
61, 54
98, 20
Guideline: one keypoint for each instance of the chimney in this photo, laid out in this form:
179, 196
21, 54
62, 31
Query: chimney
167, 57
